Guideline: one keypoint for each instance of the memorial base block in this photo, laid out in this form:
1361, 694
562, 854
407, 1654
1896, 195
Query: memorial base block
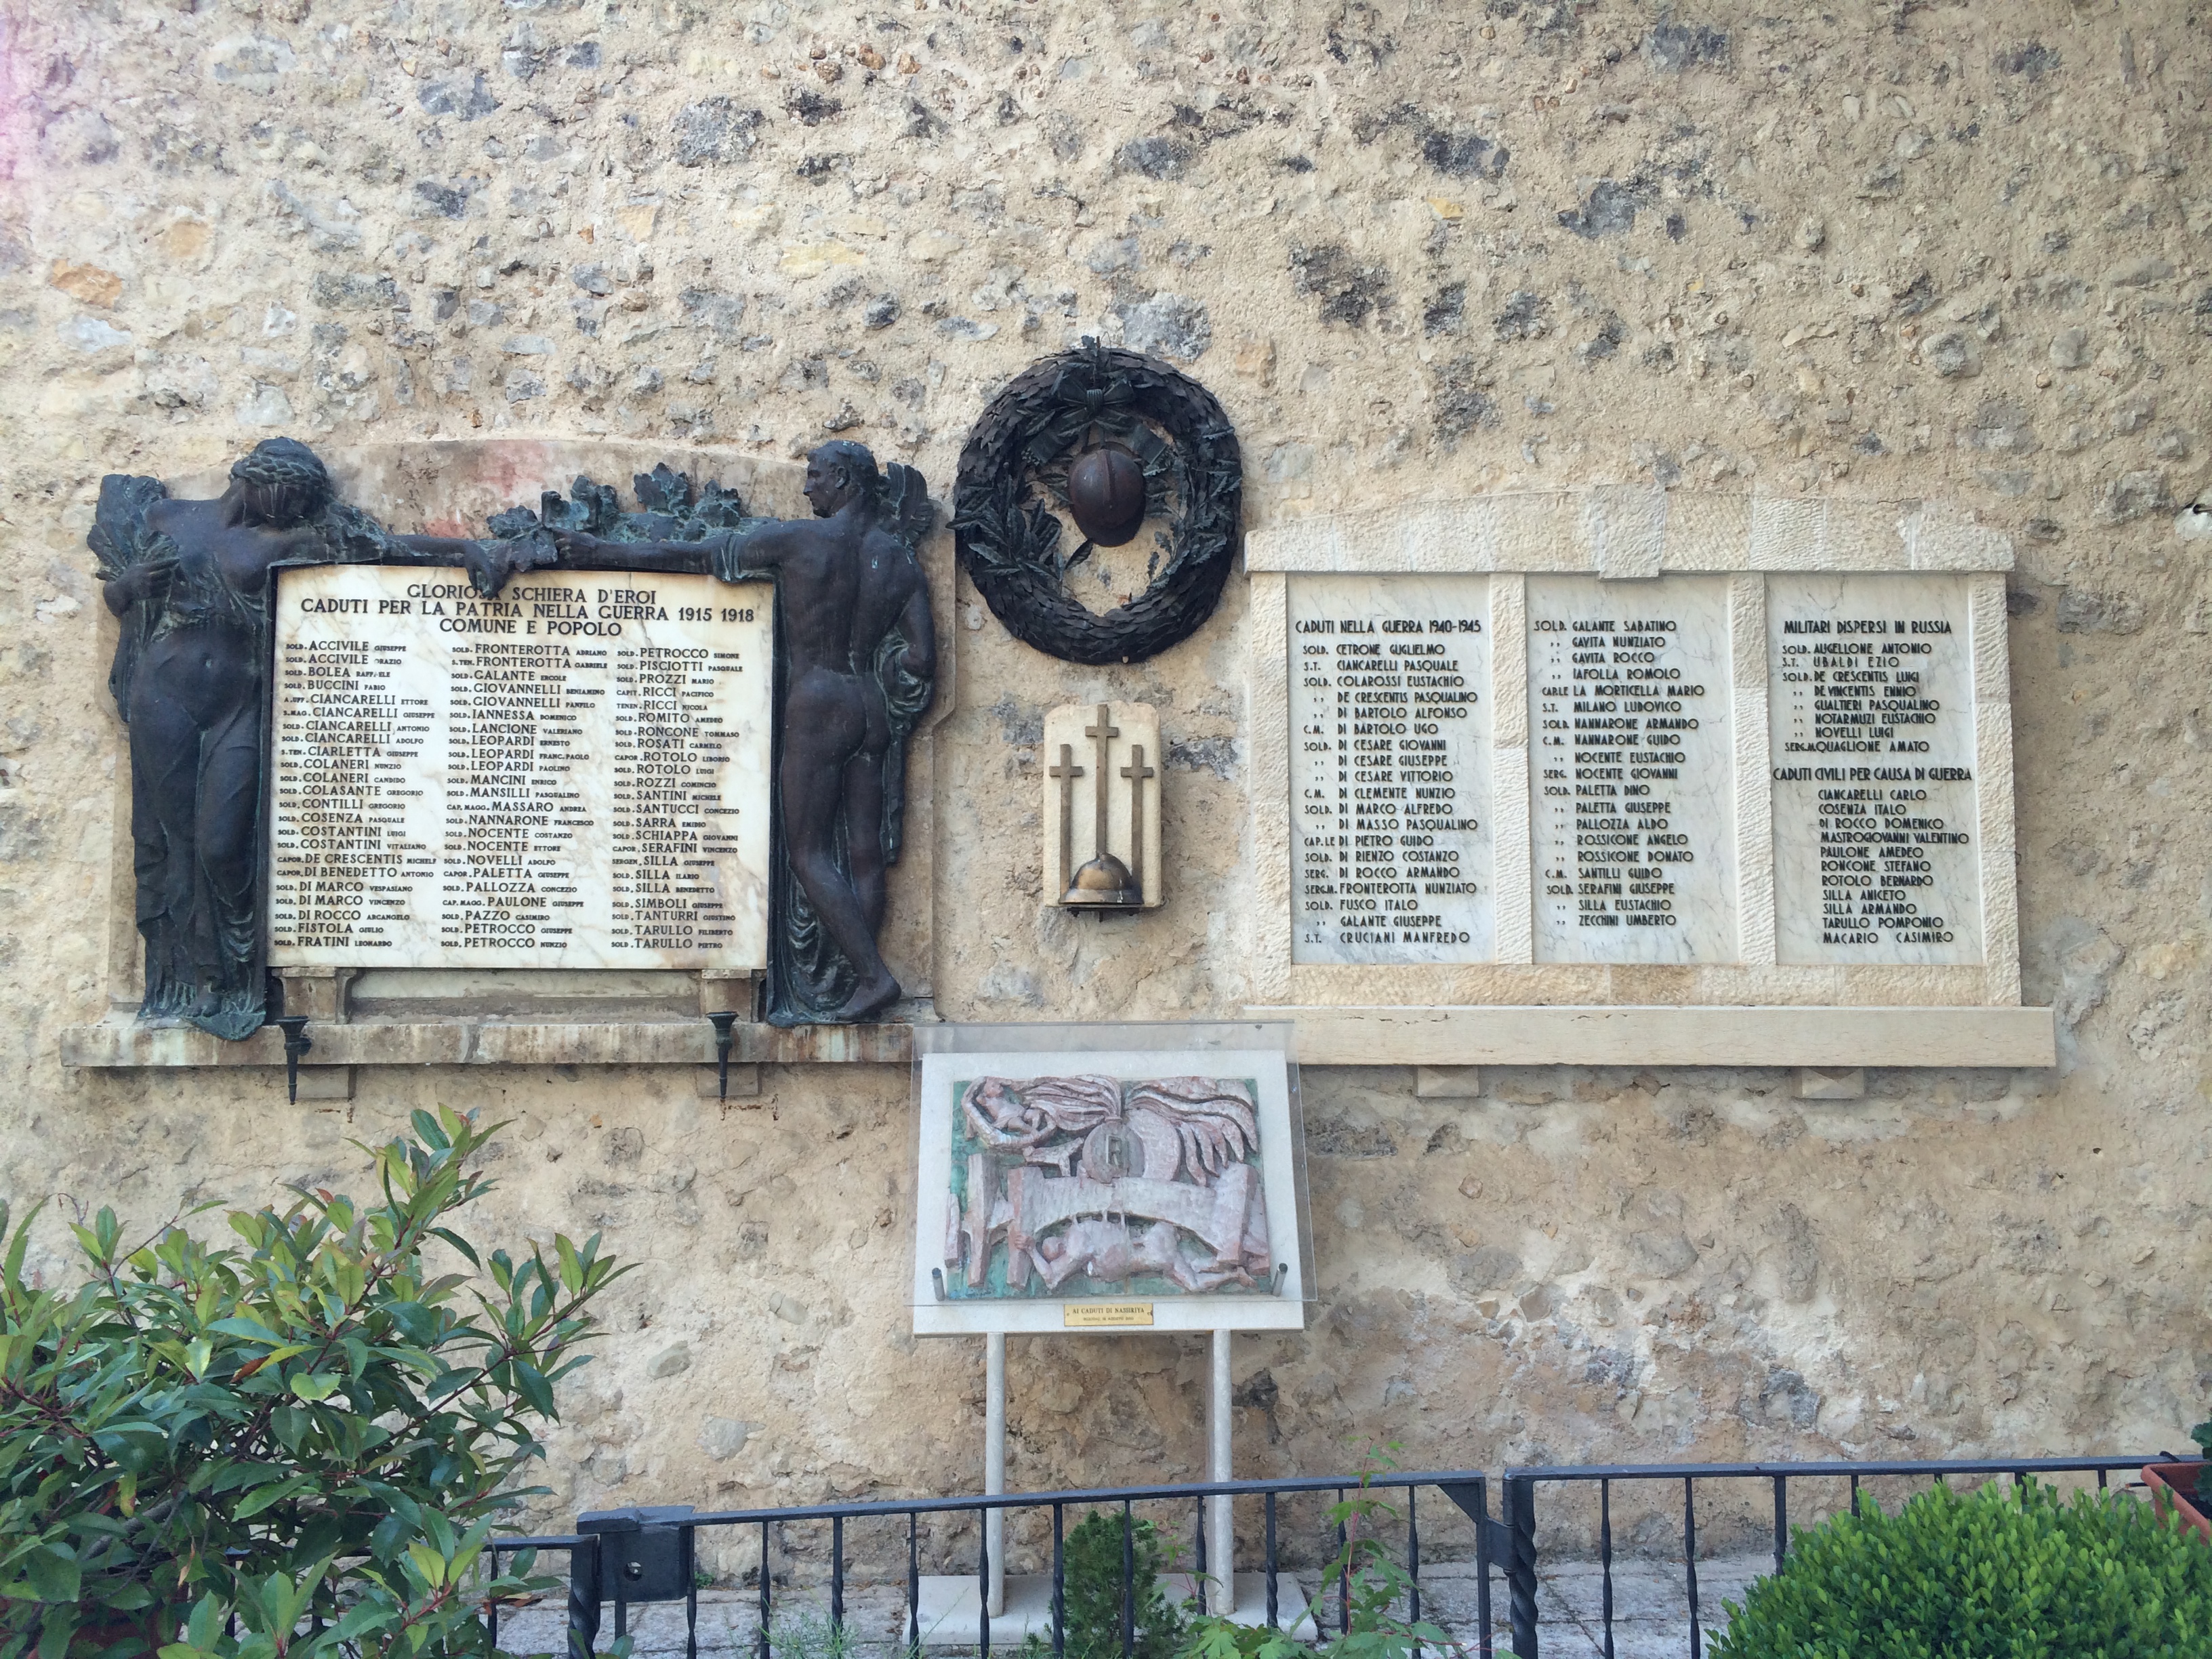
950, 1613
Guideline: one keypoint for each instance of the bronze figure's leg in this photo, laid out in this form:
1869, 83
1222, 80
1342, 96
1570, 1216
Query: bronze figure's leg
228, 805
165, 751
826, 716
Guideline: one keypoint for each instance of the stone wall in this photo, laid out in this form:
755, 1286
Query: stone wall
1420, 252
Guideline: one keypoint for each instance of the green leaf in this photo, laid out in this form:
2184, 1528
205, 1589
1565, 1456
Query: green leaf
264, 1497
314, 1390
54, 1574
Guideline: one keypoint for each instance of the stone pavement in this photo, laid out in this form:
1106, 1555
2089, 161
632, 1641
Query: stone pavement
1652, 1614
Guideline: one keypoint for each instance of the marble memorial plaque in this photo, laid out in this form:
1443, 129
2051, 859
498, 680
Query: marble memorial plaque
1871, 712
1634, 770
574, 775
1390, 836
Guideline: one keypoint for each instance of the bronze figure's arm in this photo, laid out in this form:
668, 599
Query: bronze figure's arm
727, 553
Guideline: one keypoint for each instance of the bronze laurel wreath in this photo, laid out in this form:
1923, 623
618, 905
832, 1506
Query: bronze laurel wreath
1009, 541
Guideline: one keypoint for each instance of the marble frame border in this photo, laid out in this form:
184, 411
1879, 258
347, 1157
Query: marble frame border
1629, 533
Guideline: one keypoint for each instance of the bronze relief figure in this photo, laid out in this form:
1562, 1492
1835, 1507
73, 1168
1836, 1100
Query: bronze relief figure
191, 581
856, 665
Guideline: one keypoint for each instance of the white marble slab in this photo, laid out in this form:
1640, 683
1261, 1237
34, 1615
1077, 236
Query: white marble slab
575, 775
1871, 712
1390, 730
1631, 769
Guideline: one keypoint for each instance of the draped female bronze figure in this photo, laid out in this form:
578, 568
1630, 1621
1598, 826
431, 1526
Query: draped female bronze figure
191, 581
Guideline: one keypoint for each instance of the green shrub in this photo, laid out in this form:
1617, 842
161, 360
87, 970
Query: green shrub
315, 1427
1094, 1593
1374, 1587
2007, 1573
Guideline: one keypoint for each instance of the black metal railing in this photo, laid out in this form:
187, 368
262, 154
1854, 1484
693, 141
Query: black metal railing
603, 1567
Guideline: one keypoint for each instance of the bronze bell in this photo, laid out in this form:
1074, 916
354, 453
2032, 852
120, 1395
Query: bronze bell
1106, 494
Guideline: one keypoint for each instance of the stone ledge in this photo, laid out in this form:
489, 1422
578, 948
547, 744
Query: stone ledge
1669, 1036
1426, 1036
1628, 531
122, 1043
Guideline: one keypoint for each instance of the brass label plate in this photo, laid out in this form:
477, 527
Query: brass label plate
1093, 1316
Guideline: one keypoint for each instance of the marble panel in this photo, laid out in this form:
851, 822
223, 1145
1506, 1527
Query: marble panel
573, 776
1632, 769
1877, 826
1390, 732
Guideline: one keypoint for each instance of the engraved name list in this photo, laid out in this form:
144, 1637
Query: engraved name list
574, 775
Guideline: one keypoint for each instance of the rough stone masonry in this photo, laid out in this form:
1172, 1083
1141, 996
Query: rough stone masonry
1419, 250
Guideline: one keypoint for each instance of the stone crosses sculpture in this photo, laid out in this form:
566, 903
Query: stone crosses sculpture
191, 580
857, 662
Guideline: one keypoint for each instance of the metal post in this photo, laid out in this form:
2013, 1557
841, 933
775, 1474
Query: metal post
690, 1593
1605, 1556
583, 1597
1414, 1563
1129, 1531
1485, 1641
1220, 1541
836, 1576
1520, 1565
994, 1469
985, 1560
1274, 1618
762, 1639
1781, 1519
1059, 1581
1690, 1562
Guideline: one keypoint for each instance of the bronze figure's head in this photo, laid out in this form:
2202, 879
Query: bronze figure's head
837, 472
283, 482
1106, 493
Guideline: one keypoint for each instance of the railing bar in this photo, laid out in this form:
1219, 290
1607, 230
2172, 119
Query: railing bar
583, 1609
1274, 1619
2100, 1480
690, 1593
1855, 1491
912, 1581
836, 1578
1343, 1583
983, 1581
1128, 1583
1834, 1468
1483, 1644
1690, 1562
1198, 1579
762, 1640
1059, 1583
1781, 1519
491, 1608
1605, 1558
1413, 1564
1521, 1573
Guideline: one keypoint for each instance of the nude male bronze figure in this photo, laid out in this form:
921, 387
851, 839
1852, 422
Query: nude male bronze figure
857, 664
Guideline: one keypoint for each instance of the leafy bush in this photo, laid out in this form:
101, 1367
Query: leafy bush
314, 1427
1373, 1586
1095, 1594
2007, 1573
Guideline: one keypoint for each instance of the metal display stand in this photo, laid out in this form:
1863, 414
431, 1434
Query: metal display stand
951, 1606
